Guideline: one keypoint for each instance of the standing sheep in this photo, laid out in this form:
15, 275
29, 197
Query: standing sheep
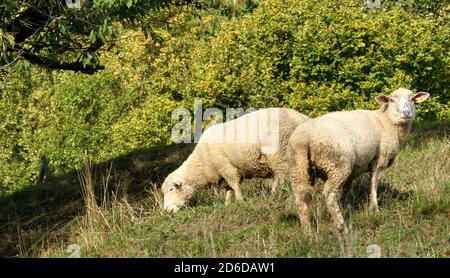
340, 146
250, 146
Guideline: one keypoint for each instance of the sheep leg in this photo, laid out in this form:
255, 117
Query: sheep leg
275, 183
301, 183
374, 181
332, 195
229, 196
232, 177
303, 198
278, 167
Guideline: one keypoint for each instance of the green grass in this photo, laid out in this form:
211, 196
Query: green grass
414, 217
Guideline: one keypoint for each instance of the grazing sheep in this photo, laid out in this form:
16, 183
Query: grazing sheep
251, 146
340, 146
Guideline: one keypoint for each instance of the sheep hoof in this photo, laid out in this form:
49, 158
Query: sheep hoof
374, 209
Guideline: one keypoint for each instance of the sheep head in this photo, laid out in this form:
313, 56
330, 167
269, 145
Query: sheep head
177, 192
400, 105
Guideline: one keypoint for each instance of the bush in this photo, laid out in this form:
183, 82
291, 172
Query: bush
316, 56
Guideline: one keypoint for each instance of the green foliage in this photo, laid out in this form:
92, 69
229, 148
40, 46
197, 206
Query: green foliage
147, 126
18, 164
53, 35
314, 56
429, 8
66, 119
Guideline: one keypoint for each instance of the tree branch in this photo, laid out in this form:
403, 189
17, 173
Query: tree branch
26, 24
53, 64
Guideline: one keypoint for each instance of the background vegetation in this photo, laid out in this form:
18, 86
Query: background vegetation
314, 56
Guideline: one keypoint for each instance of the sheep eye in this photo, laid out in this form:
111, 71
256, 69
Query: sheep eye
171, 189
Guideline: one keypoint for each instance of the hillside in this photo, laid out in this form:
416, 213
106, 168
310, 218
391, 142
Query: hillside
83, 153
413, 221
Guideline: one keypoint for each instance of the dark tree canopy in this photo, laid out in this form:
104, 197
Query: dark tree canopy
55, 36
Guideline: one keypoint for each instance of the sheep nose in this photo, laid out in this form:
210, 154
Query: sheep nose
171, 208
166, 207
407, 114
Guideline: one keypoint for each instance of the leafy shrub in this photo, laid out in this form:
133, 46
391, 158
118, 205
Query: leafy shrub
314, 56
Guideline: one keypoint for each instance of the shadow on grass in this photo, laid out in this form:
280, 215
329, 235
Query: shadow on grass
354, 199
32, 216
424, 132
357, 197
35, 214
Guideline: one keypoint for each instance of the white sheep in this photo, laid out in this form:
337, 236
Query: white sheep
340, 146
251, 146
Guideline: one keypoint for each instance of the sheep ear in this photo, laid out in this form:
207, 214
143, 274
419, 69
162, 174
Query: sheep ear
178, 182
382, 100
421, 96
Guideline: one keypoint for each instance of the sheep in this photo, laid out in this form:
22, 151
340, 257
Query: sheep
251, 146
340, 146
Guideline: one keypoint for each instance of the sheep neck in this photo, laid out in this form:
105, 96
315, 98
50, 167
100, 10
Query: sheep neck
198, 175
401, 130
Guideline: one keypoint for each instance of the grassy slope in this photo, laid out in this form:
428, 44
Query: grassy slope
414, 220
